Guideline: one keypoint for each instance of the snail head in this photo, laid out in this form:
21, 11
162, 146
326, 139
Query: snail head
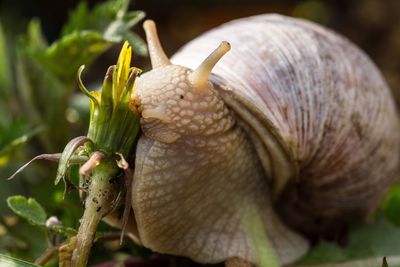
175, 101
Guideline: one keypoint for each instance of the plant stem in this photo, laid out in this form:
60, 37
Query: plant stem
47, 255
97, 204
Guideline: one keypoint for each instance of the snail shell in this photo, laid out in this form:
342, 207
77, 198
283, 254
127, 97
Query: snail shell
295, 117
327, 104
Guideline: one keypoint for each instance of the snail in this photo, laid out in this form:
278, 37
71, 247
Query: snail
294, 122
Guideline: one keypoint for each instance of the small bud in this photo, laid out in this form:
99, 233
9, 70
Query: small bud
53, 221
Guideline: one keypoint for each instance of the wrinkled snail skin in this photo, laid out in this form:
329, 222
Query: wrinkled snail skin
197, 175
294, 118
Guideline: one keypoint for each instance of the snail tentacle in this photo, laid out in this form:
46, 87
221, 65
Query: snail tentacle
199, 77
157, 55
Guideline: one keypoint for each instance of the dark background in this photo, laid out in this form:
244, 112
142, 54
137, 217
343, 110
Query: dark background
372, 24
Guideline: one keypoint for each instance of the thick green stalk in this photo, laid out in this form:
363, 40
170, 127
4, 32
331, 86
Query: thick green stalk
99, 201
113, 129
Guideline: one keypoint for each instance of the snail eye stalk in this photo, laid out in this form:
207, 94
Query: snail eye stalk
199, 77
157, 55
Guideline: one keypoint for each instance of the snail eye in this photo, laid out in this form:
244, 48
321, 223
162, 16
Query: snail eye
181, 97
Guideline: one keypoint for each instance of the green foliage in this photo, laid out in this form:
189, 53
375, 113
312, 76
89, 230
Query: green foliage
7, 261
86, 35
68, 152
5, 75
365, 241
112, 19
71, 50
113, 130
13, 135
34, 213
29, 209
14, 132
46, 73
391, 205
37, 90
369, 262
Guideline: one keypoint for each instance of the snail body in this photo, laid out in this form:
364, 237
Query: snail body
294, 120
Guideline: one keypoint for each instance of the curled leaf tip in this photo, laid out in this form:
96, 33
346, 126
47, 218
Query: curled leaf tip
131, 80
51, 157
108, 80
67, 154
110, 72
82, 86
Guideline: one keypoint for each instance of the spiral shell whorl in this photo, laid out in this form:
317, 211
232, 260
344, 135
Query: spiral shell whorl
327, 101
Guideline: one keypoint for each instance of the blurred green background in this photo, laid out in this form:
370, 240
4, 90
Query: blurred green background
41, 109
374, 25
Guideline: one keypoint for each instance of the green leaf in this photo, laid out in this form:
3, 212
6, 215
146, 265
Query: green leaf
46, 74
369, 262
44, 98
64, 56
97, 19
18, 141
10, 131
78, 19
137, 43
7, 261
119, 27
5, 75
111, 20
12, 137
391, 205
85, 36
29, 209
118, 31
111, 8
68, 152
35, 38
365, 241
